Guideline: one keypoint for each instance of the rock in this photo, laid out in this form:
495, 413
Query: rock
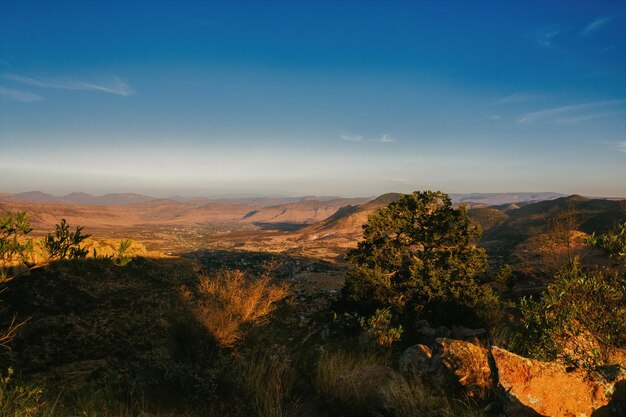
428, 331
468, 365
532, 387
416, 361
367, 390
442, 331
460, 332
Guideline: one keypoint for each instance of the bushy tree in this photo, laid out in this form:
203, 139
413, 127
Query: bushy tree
419, 254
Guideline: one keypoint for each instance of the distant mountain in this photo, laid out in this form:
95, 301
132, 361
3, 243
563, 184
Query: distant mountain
492, 199
36, 196
594, 215
304, 212
86, 198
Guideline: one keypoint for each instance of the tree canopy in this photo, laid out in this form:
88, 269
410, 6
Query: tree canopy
419, 254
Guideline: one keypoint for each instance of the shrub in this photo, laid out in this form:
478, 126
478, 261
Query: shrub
379, 328
13, 245
580, 319
64, 244
614, 242
229, 300
21, 400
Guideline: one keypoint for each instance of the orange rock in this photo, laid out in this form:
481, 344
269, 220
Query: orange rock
548, 388
469, 364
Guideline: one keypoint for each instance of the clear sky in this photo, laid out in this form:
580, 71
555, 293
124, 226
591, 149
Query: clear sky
325, 97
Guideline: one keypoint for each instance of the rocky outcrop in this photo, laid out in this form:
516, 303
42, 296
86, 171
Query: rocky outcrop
522, 386
548, 388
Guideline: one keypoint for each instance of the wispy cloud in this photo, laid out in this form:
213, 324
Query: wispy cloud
573, 111
350, 137
619, 145
587, 117
595, 24
519, 98
386, 139
116, 86
545, 37
16, 95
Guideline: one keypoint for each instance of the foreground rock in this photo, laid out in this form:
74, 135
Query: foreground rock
451, 363
525, 387
547, 388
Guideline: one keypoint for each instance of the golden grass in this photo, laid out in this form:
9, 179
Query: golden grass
334, 365
401, 397
271, 381
229, 300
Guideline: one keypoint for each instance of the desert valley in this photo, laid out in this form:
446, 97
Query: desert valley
338, 208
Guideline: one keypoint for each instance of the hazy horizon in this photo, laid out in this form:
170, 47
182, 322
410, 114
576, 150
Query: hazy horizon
313, 98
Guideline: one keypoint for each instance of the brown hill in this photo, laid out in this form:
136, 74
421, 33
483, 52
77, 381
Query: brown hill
349, 220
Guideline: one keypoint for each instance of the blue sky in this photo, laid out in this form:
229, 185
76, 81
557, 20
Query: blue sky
327, 98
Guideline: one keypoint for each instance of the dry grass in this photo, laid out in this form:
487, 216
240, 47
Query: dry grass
413, 399
271, 381
229, 300
401, 397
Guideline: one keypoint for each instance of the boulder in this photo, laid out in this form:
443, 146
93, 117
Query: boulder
468, 365
532, 387
416, 361
450, 363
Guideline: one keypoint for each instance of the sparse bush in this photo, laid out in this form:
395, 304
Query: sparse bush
229, 300
13, 245
580, 319
123, 253
64, 244
505, 276
614, 242
380, 329
21, 400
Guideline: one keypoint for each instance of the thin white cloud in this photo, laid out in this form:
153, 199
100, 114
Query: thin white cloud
619, 145
588, 117
15, 95
560, 112
351, 138
594, 25
519, 98
545, 38
386, 139
117, 86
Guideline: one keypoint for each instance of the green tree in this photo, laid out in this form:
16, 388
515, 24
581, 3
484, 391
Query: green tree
419, 254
